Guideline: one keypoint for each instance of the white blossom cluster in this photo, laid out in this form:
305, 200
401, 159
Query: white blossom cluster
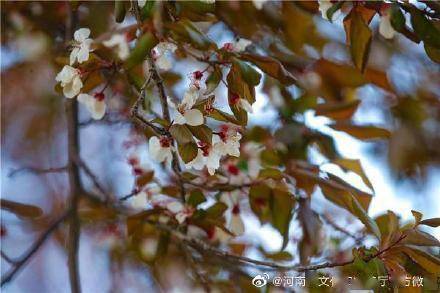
70, 77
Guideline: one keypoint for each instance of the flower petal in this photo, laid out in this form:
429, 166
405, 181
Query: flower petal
81, 34
236, 225
193, 117
385, 28
246, 106
198, 163
179, 119
73, 55
154, 146
175, 207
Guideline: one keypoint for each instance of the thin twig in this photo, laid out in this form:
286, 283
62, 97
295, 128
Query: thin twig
195, 267
18, 264
7, 258
36, 170
93, 178
166, 115
328, 220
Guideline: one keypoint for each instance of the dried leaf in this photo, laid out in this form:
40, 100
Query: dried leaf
20, 209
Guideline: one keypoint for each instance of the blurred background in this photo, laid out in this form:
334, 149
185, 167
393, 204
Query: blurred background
404, 169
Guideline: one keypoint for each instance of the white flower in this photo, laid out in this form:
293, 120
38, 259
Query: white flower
141, 3
253, 151
324, 5
218, 234
242, 103
95, 105
208, 1
198, 162
238, 46
207, 155
70, 81
181, 212
82, 45
160, 149
235, 223
228, 142
120, 42
139, 201
246, 105
385, 28
259, 3
160, 55
186, 115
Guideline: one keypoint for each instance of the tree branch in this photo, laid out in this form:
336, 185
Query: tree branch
71, 106
18, 264
205, 248
166, 115
36, 170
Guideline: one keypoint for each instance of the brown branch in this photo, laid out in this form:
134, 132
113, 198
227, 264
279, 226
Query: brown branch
195, 267
205, 248
166, 115
36, 170
71, 106
18, 264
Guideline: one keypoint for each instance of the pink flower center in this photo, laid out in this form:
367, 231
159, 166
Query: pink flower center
234, 98
164, 142
228, 47
133, 161
197, 74
233, 170
99, 96
205, 148
236, 209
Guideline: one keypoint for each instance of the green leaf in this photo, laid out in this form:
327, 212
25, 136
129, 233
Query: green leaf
196, 197
360, 41
417, 216
282, 206
144, 179
181, 133
419, 238
348, 201
354, 166
213, 80
427, 261
337, 110
188, 151
270, 173
20, 209
271, 67
434, 222
147, 10
249, 74
362, 215
202, 132
332, 10
425, 28
259, 198
120, 11
141, 50
363, 132
433, 53
397, 18
185, 30
216, 210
